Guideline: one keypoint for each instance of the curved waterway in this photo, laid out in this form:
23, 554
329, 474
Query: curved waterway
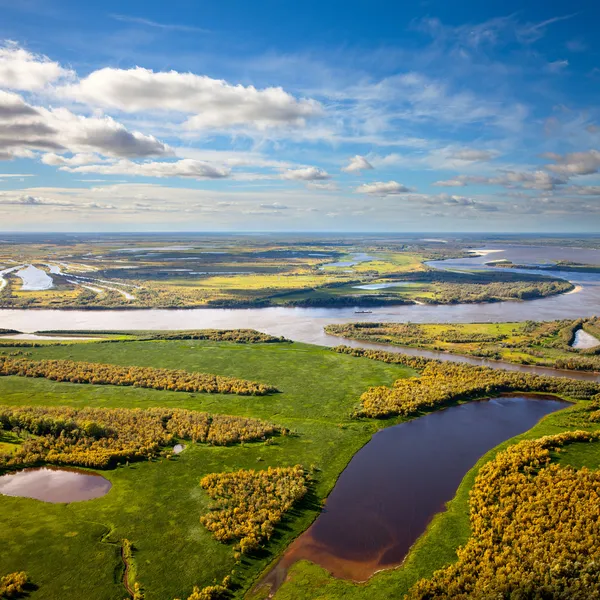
394, 485
54, 484
306, 324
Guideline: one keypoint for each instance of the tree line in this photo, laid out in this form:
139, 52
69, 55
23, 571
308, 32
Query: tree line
248, 504
145, 377
103, 437
441, 383
534, 529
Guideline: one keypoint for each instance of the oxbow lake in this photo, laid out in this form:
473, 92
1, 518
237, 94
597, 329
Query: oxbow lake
397, 482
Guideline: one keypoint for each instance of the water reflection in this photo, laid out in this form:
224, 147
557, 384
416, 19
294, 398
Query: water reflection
53, 484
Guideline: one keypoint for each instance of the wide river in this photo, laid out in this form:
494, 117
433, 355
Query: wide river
306, 324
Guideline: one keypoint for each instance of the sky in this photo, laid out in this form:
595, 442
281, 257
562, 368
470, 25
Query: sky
314, 116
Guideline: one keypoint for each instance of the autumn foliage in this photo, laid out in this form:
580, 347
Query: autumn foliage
535, 530
248, 504
13, 585
102, 437
440, 383
145, 377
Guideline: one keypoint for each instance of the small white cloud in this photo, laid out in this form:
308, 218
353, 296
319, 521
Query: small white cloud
357, 164
306, 174
382, 188
186, 168
328, 186
274, 206
459, 181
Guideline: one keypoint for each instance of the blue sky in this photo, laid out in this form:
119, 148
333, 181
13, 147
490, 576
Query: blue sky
330, 116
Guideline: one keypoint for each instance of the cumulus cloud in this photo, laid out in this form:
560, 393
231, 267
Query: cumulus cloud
575, 163
357, 164
382, 188
212, 103
306, 174
25, 128
186, 168
23, 70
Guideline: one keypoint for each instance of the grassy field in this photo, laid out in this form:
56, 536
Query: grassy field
72, 551
447, 531
545, 343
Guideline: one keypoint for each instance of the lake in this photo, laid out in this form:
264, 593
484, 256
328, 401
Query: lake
392, 487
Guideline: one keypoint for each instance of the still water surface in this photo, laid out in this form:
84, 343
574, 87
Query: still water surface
53, 484
396, 483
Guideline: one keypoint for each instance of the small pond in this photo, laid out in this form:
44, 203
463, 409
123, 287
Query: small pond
584, 340
54, 484
34, 279
394, 485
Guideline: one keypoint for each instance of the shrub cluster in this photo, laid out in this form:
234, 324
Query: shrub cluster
240, 336
441, 383
535, 529
102, 437
13, 585
248, 504
444, 383
145, 377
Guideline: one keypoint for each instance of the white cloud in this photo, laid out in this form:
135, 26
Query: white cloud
357, 164
536, 180
575, 163
22, 70
306, 174
25, 128
459, 181
9, 199
186, 168
77, 160
382, 188
212, 103
274, 206
328, 186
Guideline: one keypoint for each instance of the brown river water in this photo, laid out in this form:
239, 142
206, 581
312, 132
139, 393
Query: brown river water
396, 483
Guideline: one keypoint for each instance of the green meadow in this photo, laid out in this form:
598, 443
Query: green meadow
73, 551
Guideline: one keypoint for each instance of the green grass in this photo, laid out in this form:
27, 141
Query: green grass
71, 551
